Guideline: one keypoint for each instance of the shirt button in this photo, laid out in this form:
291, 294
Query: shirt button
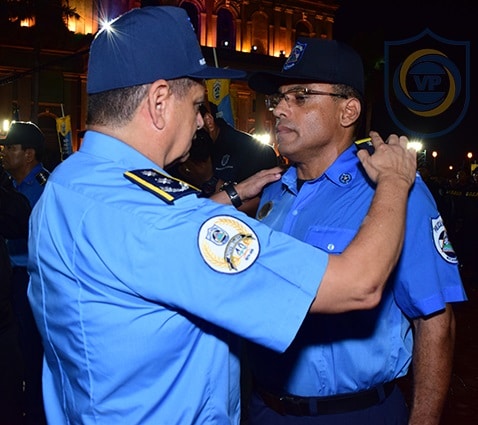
330, 246
295, 212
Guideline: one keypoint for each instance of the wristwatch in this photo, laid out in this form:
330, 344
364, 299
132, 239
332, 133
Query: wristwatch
233, 195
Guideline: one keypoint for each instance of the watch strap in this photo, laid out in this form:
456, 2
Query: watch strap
233, 195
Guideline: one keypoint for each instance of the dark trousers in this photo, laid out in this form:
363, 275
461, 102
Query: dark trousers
31, 348
11, 377
392, 411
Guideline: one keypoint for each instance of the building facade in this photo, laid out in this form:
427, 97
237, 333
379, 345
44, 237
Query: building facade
44, 52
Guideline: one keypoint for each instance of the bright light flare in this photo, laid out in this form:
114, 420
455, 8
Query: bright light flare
263, 138
106, 25
416, 145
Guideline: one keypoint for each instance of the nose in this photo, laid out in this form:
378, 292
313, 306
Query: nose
279, 109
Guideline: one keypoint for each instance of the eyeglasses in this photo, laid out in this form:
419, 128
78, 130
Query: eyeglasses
296, 97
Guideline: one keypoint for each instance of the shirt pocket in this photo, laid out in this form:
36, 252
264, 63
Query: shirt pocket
329, 239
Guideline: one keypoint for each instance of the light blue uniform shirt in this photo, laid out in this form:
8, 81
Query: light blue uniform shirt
349, 352
32, 188
139, 325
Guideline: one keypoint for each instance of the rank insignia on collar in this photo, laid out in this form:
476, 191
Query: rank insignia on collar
345, 178
163, 186
265, 210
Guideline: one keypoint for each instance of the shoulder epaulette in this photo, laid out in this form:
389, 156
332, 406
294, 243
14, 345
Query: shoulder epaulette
163, 186
42, 177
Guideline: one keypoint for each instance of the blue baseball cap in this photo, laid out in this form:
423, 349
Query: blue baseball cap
145, 45
314, 60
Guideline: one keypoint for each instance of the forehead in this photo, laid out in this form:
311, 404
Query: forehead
197, 90
13, 147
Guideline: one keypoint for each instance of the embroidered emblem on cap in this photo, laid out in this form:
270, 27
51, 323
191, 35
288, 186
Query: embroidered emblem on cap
442, 244
163, 186
227, 244
265, 210
345, 178
295, 55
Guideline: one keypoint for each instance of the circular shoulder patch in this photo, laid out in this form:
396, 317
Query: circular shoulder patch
442, 244
227, 244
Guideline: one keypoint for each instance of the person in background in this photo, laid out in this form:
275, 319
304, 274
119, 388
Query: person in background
343, 368
21, 157
235, 156
141, 289
470, 229
14, 213
197, 168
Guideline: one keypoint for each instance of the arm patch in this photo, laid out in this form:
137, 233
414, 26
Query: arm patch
163, 186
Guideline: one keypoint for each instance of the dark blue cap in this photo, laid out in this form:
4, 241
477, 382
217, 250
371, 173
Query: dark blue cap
24, 133
314, 60
145, 45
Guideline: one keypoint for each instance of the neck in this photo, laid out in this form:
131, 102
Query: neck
315, 163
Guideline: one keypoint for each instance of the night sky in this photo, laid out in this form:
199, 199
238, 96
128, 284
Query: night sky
367, 25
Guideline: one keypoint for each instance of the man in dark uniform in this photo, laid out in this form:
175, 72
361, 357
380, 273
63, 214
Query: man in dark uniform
236, 155
14, 214
21, 156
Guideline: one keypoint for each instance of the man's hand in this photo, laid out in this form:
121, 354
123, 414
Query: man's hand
392, 159
252, 186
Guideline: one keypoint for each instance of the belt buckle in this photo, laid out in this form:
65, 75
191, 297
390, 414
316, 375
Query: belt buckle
293, 406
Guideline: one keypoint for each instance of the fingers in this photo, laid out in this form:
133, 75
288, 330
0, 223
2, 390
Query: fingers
252, 186
391, 159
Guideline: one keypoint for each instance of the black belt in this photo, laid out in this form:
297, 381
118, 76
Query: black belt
313, 406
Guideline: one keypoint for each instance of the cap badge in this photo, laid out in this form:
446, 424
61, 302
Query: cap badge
295, 55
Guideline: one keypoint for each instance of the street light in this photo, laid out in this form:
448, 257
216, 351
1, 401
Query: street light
434, 155
5, 127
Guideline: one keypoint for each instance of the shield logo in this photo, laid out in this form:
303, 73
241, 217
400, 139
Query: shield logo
427, 83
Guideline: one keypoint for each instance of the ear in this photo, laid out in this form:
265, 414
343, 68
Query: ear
158, 97
350, 111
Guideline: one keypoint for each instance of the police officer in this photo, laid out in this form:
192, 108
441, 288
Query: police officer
14, 213
141, 288
343, 368
21, 156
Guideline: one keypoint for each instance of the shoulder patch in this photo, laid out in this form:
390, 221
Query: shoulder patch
163, 186
440, 239
227, 244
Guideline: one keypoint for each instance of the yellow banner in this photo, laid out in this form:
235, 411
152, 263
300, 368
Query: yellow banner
63, 128
218, 94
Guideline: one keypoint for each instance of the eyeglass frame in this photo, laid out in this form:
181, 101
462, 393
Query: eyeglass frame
279, 97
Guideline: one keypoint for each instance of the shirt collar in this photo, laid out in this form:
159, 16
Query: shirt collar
342, 171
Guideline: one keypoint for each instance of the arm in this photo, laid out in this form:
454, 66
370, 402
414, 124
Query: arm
434, 342
251, 187
355, 279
